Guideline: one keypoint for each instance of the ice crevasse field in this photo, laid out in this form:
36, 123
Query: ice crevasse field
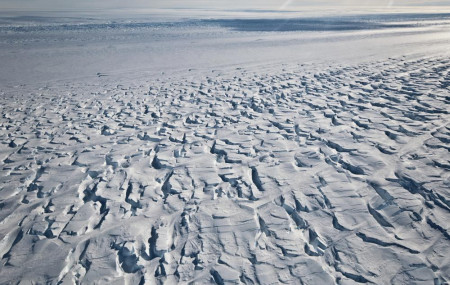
225, 146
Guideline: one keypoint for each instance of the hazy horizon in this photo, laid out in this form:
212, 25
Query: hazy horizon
43, 5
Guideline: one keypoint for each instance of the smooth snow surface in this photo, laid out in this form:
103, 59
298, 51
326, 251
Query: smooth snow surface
227, 151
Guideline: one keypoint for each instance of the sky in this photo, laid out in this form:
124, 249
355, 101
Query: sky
43, 5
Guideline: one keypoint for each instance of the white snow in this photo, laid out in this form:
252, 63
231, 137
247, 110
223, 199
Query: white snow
255, 150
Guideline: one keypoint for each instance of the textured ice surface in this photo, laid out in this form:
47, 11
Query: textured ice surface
334, 171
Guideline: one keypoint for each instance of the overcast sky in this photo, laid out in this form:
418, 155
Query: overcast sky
208, 4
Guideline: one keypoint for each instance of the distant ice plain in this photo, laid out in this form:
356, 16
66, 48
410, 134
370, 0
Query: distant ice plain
44, 47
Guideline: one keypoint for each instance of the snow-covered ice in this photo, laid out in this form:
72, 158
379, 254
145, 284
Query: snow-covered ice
251, 150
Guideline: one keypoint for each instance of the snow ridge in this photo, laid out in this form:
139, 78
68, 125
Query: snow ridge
285, 176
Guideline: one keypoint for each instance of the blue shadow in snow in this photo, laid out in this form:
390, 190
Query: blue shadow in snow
346, 23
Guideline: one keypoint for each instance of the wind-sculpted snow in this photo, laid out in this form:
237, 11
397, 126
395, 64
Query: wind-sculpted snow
279, 175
